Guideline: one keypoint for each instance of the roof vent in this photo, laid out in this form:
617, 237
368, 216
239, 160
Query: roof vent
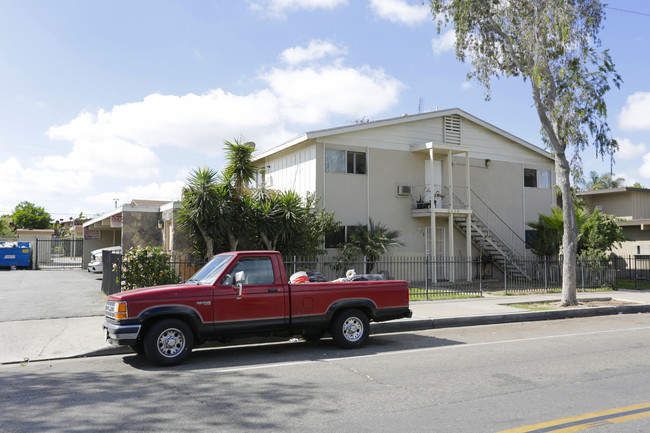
452, 129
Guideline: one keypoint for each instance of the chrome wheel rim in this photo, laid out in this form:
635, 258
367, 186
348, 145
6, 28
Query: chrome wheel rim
352, 328
171, 342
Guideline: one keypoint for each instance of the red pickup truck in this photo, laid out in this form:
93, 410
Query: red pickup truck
244, 294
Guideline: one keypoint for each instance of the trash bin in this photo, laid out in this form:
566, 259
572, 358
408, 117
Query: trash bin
15, 254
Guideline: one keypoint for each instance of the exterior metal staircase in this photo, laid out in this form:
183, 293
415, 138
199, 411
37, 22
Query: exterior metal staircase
494, 238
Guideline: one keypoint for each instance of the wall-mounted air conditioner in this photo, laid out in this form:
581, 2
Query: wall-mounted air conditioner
404, 190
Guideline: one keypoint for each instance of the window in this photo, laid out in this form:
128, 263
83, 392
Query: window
357, 162
342, 161
537, 178
530, 238
340, 237
530, 177
258, 270
335, 239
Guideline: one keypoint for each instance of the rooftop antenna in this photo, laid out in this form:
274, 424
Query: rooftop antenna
420, 105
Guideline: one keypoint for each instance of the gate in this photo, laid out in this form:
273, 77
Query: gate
58, 253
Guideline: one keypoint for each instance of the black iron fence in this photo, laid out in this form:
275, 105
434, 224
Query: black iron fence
184, 267
447, 277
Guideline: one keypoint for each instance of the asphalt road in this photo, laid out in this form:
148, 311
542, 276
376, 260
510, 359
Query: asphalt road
49, 294
478, 379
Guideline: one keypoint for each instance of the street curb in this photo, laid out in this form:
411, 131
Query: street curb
493, 319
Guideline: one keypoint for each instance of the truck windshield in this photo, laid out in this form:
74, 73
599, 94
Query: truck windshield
209, 273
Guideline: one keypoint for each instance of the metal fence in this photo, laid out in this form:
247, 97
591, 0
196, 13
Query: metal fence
446, 277
464, 277
184, 267
58, 253
633, 272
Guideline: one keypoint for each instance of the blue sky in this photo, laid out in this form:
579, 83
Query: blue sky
103, 100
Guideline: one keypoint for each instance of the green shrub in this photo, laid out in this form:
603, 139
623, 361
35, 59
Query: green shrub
145, 267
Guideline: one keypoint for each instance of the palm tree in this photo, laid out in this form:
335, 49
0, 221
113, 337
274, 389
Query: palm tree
199, 207
240, 168
547, 240
371, 241
604, 181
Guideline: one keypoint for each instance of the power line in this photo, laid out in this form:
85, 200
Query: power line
628, 11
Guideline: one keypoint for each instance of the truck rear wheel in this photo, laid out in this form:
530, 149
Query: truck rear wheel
168, 342
350, 329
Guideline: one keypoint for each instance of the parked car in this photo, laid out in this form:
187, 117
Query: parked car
244, 294
95, 265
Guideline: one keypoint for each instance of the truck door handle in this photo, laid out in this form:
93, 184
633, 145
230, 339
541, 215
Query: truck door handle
273, 290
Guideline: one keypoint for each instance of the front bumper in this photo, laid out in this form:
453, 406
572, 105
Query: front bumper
120, 335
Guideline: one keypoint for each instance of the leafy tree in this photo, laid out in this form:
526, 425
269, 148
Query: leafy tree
597, 232
29, 216
6, 229
552, 44
372, 241
638, 185
604, 181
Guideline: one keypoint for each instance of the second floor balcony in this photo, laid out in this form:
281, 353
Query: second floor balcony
440, 198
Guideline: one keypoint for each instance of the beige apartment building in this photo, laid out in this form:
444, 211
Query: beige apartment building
632, 207
453, 184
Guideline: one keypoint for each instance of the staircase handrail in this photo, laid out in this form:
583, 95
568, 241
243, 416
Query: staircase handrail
503, 232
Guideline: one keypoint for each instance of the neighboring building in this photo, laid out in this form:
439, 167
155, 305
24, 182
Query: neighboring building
632, 206
140, 223
430, 175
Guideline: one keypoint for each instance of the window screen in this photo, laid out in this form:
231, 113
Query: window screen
335, 161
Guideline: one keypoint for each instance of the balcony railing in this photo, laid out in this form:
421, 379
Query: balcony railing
438, 197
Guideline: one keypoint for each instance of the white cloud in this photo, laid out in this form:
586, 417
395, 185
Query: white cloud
644, 170
120, 145
629, 150
445, 43
200, 122
466, 85
316, 50
279, 8
152, 191
399, 11
120, 140
21, 182
311, 95
635, 116
108, 157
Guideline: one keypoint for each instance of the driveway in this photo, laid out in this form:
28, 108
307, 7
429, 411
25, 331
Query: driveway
49, 294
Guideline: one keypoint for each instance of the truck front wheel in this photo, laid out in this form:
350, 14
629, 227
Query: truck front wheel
168, 342
350, 329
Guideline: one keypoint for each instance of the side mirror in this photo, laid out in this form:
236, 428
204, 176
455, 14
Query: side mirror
240, 277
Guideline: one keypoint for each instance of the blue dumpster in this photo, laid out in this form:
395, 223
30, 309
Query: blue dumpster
15, 254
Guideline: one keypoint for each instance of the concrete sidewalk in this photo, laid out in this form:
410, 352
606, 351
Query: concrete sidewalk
36, 340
